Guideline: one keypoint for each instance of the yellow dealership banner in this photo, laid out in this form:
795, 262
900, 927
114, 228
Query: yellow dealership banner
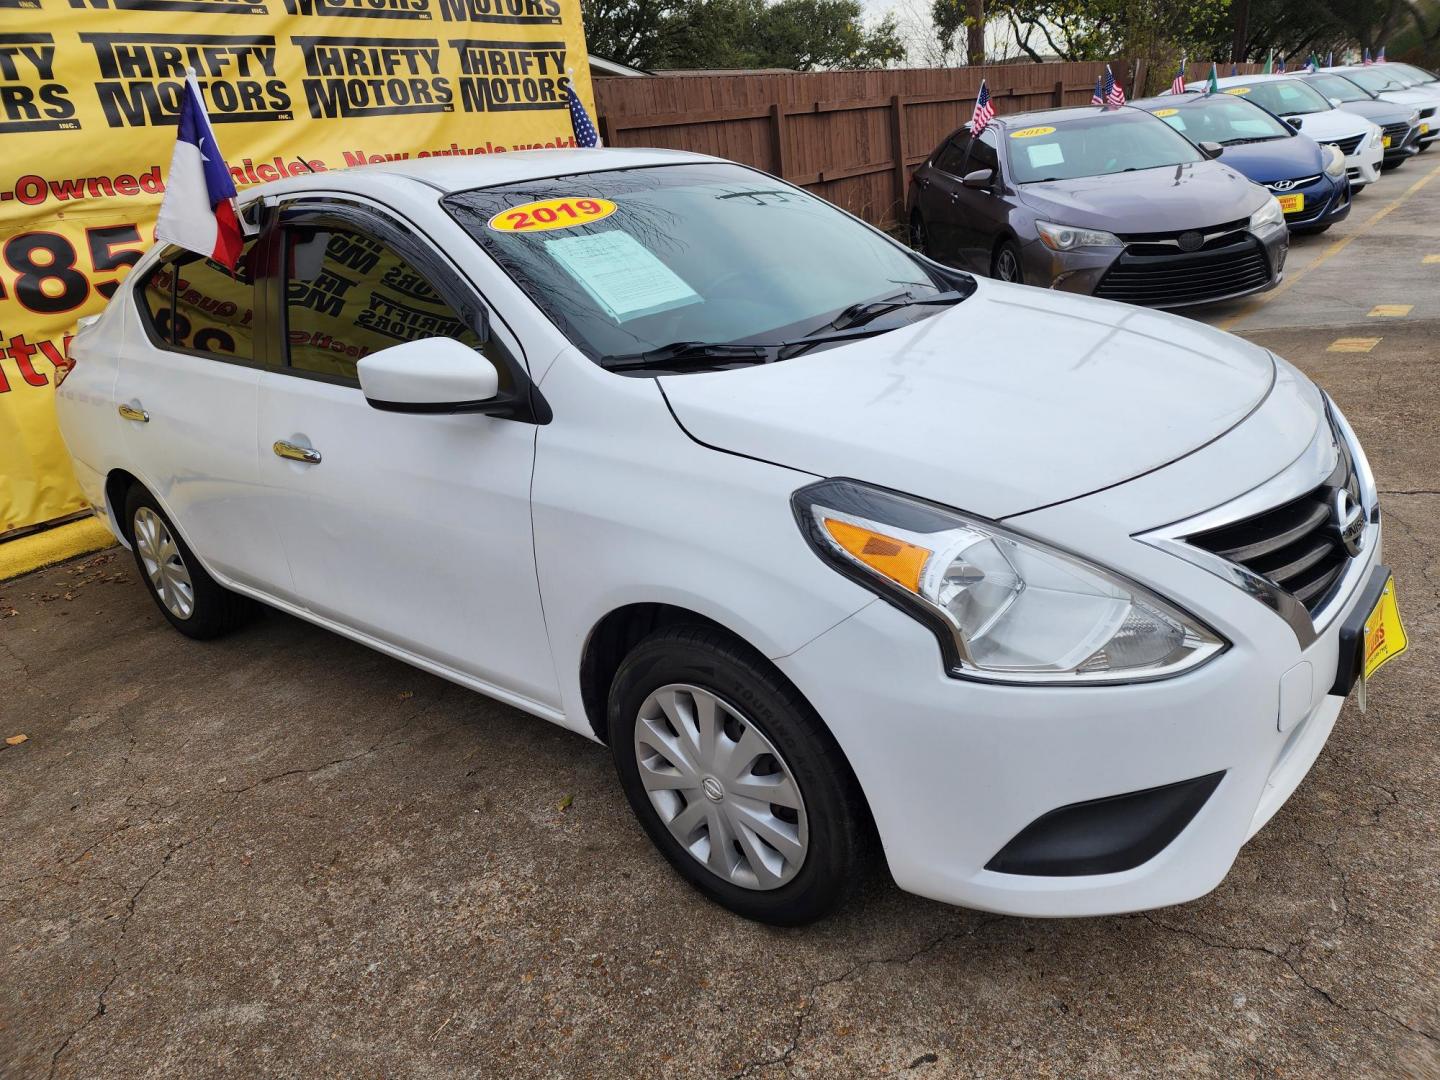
90, 93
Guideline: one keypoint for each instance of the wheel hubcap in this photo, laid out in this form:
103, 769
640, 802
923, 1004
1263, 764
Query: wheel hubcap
721, 788
160, 556
1007, 267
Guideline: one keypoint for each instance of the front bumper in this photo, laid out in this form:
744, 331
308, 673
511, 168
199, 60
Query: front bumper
1160, 279
956, 770
1326, 202
1363, 166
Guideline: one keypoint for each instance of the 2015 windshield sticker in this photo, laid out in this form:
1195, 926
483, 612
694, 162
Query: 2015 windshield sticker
550, 214
1239, 90
1031, 132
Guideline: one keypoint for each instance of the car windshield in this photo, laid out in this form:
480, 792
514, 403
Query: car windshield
1283, 97
1375, 80
1097, 145
1226, 120
631, 261
1419, 76
1341, 89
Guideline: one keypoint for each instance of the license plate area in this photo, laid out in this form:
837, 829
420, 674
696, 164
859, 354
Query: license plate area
1291, 204
1371, 636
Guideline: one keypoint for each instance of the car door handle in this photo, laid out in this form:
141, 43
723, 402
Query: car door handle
130, 412
307, 455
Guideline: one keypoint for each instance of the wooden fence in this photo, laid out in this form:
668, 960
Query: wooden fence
852, 137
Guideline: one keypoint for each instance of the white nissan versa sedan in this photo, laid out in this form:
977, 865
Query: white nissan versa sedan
1058, 598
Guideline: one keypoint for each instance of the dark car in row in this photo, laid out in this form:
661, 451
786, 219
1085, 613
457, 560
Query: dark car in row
1115, 203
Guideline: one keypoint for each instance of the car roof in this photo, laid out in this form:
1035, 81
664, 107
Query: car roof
463, 172
1246, 80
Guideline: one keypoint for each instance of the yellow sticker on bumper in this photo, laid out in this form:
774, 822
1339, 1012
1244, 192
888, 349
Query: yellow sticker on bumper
1384, 632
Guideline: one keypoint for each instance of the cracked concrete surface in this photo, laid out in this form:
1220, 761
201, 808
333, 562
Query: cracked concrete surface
282, 854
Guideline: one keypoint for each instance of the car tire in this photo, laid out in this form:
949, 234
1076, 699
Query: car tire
761, 732
1316, 231
1007, 265
918, 239
192, 601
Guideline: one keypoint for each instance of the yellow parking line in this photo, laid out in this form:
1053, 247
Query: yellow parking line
1329, 253
1390, 311
1353, 344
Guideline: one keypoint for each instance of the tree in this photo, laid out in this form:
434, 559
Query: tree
800, 34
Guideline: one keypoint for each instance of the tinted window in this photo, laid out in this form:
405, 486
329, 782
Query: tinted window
952, 158
982, 154
347, 296
1375, 80
1283, 97
630, 260
196, 304
1096, 145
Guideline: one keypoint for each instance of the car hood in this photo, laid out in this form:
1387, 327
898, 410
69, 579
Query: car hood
1281, 159
1332, 124
1377, 112
1014, 399
1193, 196
1420, 98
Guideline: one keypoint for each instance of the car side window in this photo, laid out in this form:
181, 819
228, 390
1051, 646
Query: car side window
195, 304
983, 155
348, 295
952, 158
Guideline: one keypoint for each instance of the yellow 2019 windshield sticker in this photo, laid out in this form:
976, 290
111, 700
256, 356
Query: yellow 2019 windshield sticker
548, 214
1031, 132
1237, 90
1166, 112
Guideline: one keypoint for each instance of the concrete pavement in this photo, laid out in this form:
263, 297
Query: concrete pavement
283, 854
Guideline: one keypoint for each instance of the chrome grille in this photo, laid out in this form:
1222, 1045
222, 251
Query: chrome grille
1349, 146
1295, 546
1284, 186
1397, 133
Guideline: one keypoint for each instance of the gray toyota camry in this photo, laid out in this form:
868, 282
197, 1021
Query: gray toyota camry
1113, 202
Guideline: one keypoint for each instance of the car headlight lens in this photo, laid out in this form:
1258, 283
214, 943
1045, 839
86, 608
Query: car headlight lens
1268, 215
1376, 136
1004, 607
1068, 238
1414, 118
1334, 161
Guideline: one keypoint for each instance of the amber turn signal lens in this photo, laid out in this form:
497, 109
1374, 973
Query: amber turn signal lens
899, 561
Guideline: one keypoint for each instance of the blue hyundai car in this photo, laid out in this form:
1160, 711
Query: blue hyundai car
1307, 178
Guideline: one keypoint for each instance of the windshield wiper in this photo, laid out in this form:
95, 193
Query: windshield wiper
1252, 139
686, 353
860, 314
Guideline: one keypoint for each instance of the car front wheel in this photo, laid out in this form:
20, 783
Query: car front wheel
734, 777
1007, 265
192, 601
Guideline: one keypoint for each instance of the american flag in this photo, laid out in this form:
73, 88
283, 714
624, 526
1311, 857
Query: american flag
1280, 65
984, 110
1234, 70
1368, 60
1114, 95
1380, 59
1177, 84
1098, 97
585, 133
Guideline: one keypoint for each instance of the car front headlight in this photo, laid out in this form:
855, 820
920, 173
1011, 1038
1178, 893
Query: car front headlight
1334, 161
1268, 215
1004, 607
1414, 118
1377, 137
1068, 238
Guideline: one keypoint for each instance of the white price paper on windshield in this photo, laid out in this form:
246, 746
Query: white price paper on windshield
1045, 154
621, 273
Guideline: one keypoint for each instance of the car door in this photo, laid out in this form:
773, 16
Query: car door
187, 382
413, 529
980, 213
937, 199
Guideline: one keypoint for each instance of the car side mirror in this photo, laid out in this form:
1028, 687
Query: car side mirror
1211, 149
1336, 102
432, 375
980, 178
1294, 122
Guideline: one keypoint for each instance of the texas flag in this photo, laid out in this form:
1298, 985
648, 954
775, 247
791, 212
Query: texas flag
198, 212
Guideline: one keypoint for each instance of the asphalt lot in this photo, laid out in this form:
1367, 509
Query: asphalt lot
283, 854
